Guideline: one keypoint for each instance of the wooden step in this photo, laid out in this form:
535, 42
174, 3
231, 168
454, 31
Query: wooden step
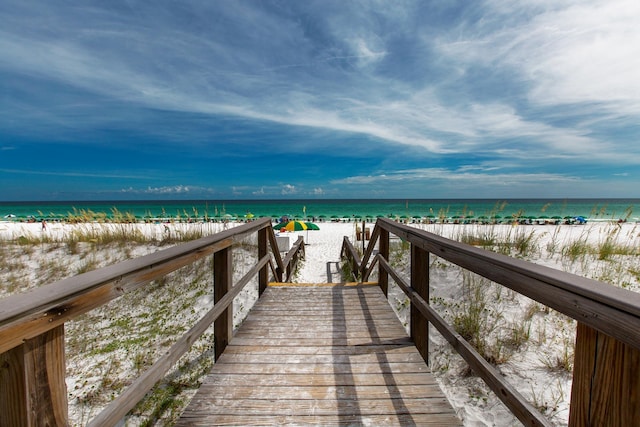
323, 354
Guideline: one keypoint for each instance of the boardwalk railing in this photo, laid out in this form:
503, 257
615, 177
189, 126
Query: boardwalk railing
606, 376
32, 352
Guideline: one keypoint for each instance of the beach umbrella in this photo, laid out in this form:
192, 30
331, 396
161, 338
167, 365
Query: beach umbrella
311, 226
291, 226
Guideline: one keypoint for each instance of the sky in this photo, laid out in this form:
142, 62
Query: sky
271, 99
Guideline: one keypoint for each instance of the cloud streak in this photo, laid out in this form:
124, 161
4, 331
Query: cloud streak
544, 85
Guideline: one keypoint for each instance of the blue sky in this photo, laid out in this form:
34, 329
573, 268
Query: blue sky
328, 99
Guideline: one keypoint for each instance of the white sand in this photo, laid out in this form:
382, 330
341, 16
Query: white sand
551, 335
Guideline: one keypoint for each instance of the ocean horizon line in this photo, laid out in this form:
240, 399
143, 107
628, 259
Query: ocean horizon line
155, 200
594, 208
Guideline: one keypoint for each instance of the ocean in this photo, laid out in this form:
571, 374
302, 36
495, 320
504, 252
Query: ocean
592, 209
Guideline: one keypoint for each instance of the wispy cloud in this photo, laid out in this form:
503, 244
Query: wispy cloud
547, 85
72, 174
170, 190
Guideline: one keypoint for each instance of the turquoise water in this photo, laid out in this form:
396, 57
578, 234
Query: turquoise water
593, 209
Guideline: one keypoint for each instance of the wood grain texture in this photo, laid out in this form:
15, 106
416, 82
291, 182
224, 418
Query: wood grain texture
33, 391
327, 356
606, 381
608, 309
420, 284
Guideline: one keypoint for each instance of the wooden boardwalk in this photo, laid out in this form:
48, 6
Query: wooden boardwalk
322, 355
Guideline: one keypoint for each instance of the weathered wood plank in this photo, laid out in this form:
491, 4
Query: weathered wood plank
331, 341
606, 384
361, 324
222, 275
324, 334
342, 358
321, 405
287, 358
406, 347
302, 380
420, 283
32, 382
331, 391
311, 419
318, 368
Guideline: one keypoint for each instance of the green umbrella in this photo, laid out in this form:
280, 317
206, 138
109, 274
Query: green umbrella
311, 226
291, 226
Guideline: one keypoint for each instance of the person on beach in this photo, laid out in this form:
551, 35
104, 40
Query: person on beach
44, 225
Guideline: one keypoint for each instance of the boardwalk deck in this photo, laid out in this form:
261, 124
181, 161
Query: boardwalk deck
325, 355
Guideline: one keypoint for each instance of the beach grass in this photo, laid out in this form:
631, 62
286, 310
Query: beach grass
132, 331
128, 334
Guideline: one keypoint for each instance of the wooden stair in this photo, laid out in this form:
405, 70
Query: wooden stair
322, 354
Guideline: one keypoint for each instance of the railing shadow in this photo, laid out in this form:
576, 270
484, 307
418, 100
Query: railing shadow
347, 402
392, 387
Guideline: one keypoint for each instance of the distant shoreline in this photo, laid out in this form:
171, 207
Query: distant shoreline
325, 209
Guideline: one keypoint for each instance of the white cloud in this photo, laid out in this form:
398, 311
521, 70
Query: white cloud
288, 189
565, 52
169, 190
464, 175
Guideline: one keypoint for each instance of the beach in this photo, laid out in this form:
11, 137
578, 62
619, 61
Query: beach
539, 366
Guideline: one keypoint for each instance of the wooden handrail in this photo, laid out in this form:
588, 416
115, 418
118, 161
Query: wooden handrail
27, 315
349, 251
516, 403
130, 397
36, 319
599, 308
609, 309
291, 259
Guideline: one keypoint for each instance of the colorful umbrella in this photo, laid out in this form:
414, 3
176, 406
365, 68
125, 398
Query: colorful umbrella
291, 226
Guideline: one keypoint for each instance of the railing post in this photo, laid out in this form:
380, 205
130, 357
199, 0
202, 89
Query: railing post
33, 391
222, 276
606, 381
420, 283
263, 275
383, 250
